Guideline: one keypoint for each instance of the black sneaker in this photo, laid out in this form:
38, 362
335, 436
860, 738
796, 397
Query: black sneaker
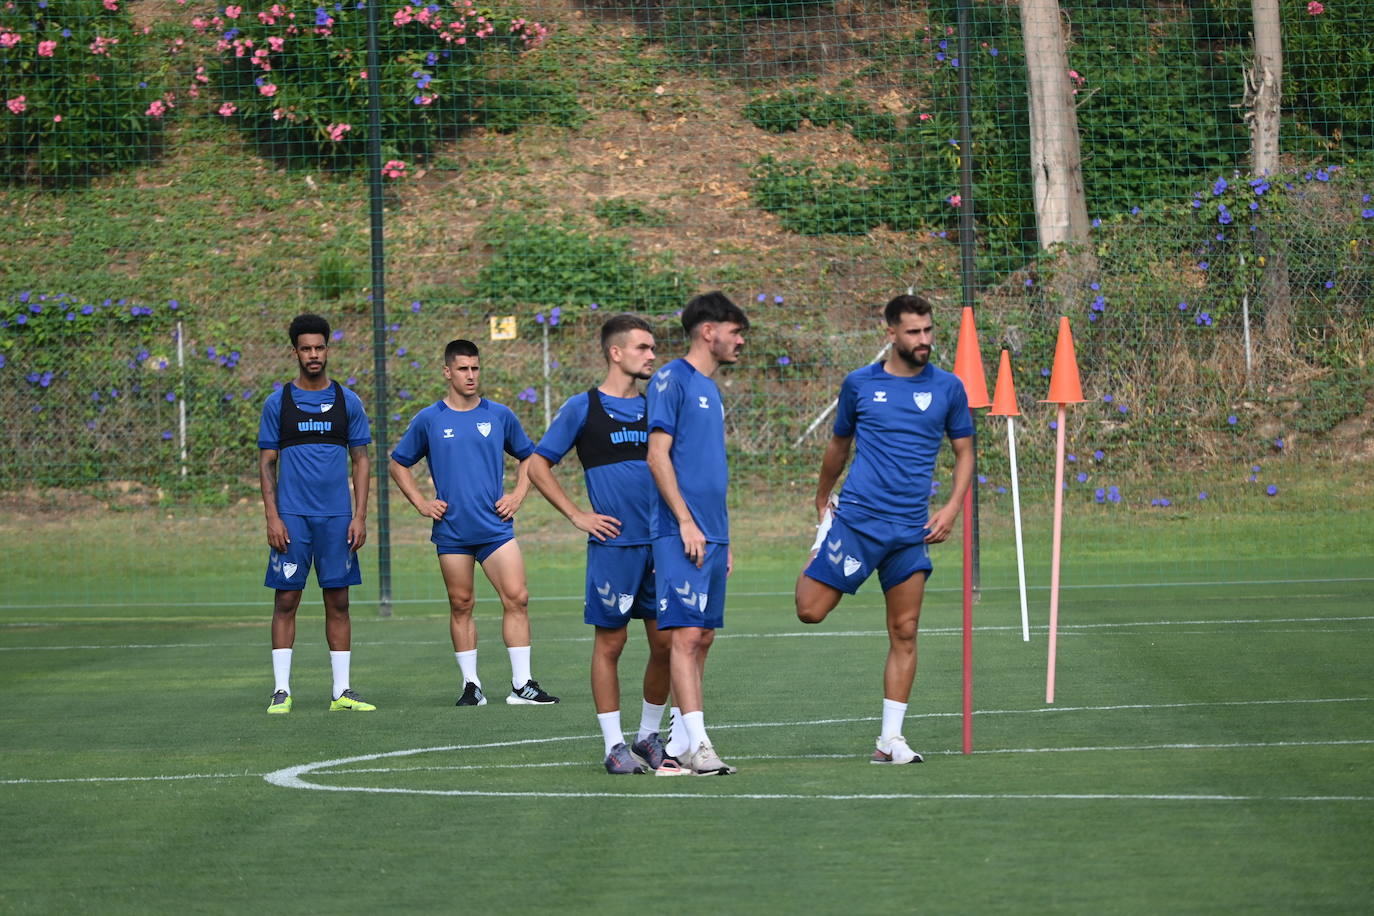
530, 695
472, 696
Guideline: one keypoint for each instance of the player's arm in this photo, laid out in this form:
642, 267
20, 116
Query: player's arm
509, 503
942, 522
362, 482
665, 478
277, 538
405, 481
597, 525
834, 459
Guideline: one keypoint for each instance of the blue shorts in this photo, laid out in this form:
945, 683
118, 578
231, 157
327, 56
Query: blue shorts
687, 596
480, 551
321, 540
850, 553
620, 585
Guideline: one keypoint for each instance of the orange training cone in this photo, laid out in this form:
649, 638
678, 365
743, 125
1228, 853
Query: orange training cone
1004, 397
968, 363
1065, 387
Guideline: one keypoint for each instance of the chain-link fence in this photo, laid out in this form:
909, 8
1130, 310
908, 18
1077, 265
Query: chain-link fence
180, 179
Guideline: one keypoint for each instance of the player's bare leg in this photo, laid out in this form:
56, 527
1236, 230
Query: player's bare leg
658, 670
457, 570
505, 569
815, 599
607, 646
337, 627
903, 617
284, 605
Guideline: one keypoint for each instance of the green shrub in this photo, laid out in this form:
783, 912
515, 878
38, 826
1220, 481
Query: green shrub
78, 99
622, 211
785, 111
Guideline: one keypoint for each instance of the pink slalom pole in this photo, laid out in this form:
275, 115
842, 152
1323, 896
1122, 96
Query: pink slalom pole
1054, 550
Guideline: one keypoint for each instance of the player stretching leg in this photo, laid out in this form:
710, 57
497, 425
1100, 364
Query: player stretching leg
608, 427
310, 433
691, 526
895, 415
465, 437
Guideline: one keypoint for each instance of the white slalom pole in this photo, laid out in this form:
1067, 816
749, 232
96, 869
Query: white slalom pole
1016, 515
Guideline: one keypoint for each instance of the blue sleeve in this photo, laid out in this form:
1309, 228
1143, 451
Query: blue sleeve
269, 430
846, 408
665, 403
566, 427
414, 445
518, 444
959, 422
359, 430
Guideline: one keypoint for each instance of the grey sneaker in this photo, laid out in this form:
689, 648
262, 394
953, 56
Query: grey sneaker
706, 762
653, 751
472, 696
622, 761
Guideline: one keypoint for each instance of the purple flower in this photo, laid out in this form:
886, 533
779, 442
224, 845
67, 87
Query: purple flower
1082, 477
1367, 213
1099, 495
761, 297
352, 380
401, 351
1220, 187
3, 360
1232, 420
982, 478
1054, 424
1202, 495
1044, 373
1272, 490
173, 304
166, 434
45, 380
337, 335
415, 307
1202, 265
1183, 306
1255, 468
90, 424
1001, 490
1098, 455
777, 300
1096, 222
1121, 408
1072, 459
593, 306
1113, 494
538, 317
1322, 175
1278, 443
554, 314
403, 395
1329, 284
87, 309
1106, 399
171, 397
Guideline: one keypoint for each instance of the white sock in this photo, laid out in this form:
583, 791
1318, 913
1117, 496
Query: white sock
893, 714
695, 723
467, 663
519, 665
610, 728
339, 662
281, 669
677, 736
650, 720
822, 530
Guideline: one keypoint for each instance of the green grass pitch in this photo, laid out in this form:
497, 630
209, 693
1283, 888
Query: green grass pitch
1209, 749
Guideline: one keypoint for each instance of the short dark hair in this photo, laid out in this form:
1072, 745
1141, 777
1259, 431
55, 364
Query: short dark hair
903, 305
715, 307
308, 324
459, 347
617, 325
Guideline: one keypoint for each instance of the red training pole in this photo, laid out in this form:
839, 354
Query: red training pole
968, 618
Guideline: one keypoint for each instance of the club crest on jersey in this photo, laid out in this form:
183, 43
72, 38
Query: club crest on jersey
324, 408
851, 565
448, 432
922, 399
626, 602
289, 569
880, 397
484, 428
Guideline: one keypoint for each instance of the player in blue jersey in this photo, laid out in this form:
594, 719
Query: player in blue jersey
465, 438
608, 426
691, 526
894, 414
312, 439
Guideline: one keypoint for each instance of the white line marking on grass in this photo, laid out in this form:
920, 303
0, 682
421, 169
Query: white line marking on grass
20, 782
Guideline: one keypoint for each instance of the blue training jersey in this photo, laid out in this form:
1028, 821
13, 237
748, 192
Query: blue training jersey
624, 490
898, 424
312, 478
466, 452
686, 405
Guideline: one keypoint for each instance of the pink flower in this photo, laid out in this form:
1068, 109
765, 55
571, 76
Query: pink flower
57, 119
233, 12
45, 48
10, 39
275, 43
17, 104
925, 116
395, 168
1315, 9
112, 5
157, 109
268, 89
955, 200
227, 109
336, 131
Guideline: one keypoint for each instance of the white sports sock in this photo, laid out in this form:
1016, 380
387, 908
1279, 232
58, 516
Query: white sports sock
695, 723
281, 669
650, 720
822, 530
467, 663
339, 662
519, 665
677, 736
893, 714
610, 728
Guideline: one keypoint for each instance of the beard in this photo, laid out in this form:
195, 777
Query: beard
313, 373
916, 359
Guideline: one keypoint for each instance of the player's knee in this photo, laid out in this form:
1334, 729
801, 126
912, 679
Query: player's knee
460, 604
902, 631
516, 602
809, 613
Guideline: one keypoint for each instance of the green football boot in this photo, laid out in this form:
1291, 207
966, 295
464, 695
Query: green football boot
350, 700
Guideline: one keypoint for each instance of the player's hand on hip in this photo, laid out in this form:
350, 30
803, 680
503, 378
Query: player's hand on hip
357, 534
507, 506
433, 508
940, 526
598, 526
693, 543
277, 536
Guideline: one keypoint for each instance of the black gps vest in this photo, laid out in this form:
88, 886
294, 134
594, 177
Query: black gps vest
606, 440
296, 427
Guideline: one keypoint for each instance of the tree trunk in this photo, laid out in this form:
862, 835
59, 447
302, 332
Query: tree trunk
1263, 96
1061, 209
